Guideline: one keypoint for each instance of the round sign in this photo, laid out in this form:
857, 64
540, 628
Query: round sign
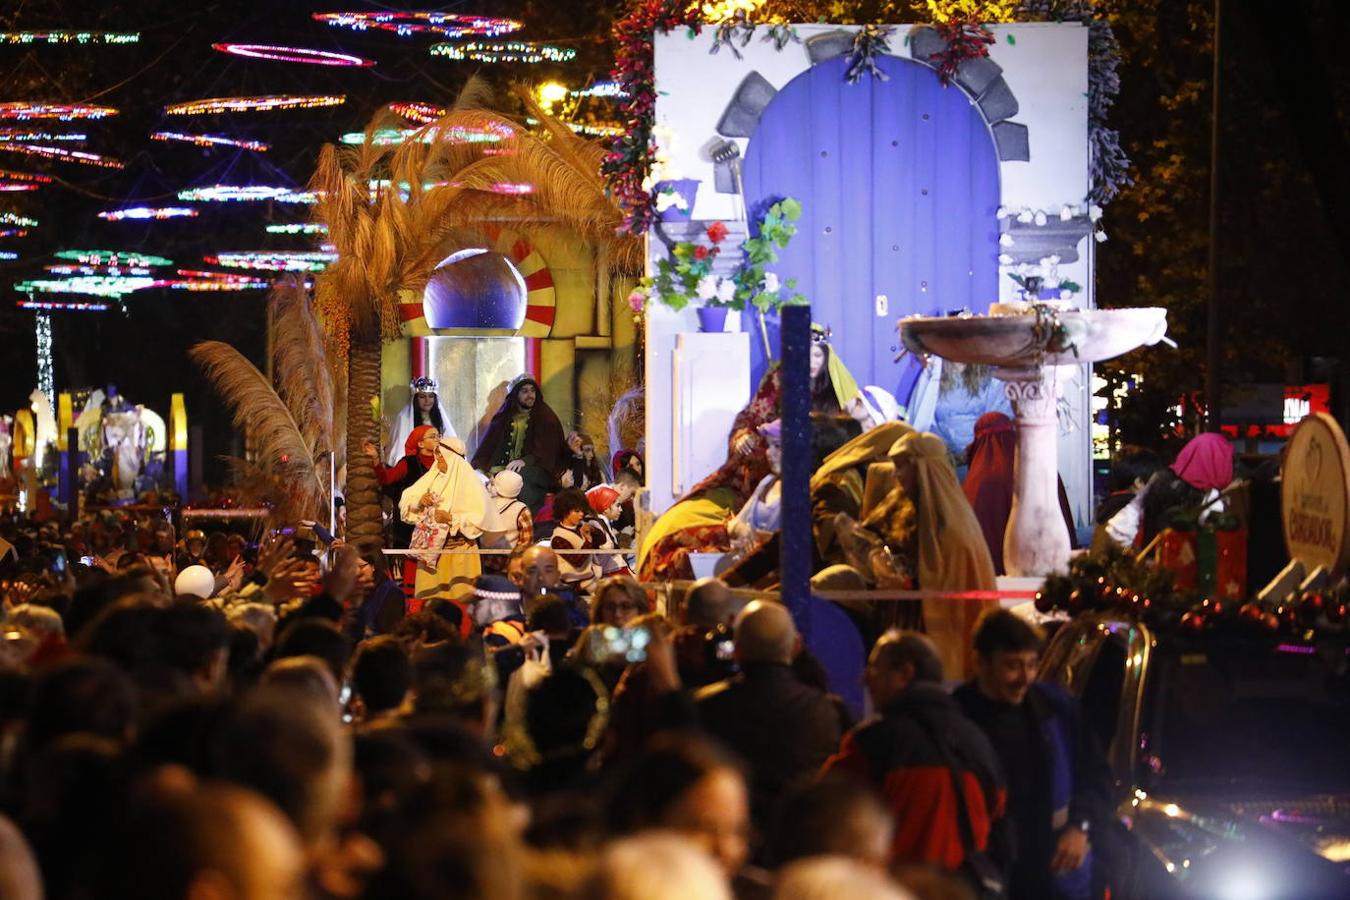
1315, 494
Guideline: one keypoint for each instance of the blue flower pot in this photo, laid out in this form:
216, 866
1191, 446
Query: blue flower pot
712, 319
687, 188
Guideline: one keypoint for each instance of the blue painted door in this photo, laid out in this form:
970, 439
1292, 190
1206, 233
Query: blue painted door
899, 187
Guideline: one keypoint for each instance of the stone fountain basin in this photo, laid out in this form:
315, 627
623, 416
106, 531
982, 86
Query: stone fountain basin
1011, 341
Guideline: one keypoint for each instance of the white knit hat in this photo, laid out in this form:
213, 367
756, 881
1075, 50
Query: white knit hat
507, 483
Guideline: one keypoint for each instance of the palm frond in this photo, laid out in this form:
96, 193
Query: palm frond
301, 364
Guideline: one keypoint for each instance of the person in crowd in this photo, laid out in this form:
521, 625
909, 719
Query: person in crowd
1058, 780
384, 605
194, 545
605, 511
1132, 467
381, 679
496, 611
572, 533
829, 877
582, 470
617, 601
525, 436
1191, 487
835, 815
657, 866
424, 409
924, 757
784, 729
450, 510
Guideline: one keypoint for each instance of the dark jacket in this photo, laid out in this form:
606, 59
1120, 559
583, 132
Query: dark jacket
896, 753
545, 445
1068, 782
782, 728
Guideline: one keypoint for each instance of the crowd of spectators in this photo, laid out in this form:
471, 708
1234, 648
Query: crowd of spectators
205, 718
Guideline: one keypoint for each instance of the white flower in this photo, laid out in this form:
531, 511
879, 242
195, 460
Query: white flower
1002, 213
707, 287
1100, 236
726, 290
1052, 260
1066, 214
1023, 269
670, 200
1051, 282
1004, 259
1005, 240
1094, 212
1026, 216
1040, 218
1066, 295
770, 283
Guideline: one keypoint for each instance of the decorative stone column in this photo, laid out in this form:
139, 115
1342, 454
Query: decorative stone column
1036, 541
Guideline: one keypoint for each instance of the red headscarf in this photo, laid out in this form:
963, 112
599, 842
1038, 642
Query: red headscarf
601, 497
989, 481
1206, 462
410, 446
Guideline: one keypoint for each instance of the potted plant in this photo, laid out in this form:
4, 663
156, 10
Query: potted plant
685, 277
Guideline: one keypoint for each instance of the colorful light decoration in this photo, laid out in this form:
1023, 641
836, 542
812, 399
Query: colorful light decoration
148, 212
9, 187
294, 55
13, 232
244, 193
261, 103
115, 286
70, 37
299, 228
504, 52
46, 371
74, 269
26, 136
211, 140
602, 89
454, 134
23, 111
216, 285
61, 154
112, 258
207, 273
34, 177
421, 113
59, 306
409, 23
9, 254
9, 218
275, 260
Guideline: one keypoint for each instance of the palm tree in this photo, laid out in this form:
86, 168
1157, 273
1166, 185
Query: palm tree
394, 211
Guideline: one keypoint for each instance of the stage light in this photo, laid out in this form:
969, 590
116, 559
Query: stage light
23, 111
261, 103
69, 37
61, 154
244, 193
504, 52
294, 55
148, 212
210, 140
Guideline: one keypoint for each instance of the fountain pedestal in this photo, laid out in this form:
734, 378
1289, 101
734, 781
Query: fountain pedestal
1025, 351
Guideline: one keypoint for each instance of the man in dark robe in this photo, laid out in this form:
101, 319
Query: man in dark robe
525, 436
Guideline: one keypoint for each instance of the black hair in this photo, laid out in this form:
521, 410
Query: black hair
313, 636
381, 673
1004, 631
1133, 462
566, 501
897, 649
550, 615
829, 432
85, 694
646, 792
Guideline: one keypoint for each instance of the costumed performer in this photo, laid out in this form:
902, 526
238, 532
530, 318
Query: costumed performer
952, 554
424, 408
949, 397
582, 470
571, 533
833, 388
838, 485
989, 480
697, 521
761, 515
524, 436
450, 510
605, 504
513, 515
1203, 468
419, 455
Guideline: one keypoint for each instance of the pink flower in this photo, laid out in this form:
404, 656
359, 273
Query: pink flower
636, 300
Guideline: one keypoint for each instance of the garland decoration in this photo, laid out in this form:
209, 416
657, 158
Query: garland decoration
24, 136
23, 111
408, 23
148, 212
243, 193
870, 42
211, 140
61, 154
1110, 165
630, 155
294, 55
736, 31
504, 52
70, 37
965, 39
253, 104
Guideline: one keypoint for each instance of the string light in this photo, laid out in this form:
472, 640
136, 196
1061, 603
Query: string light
46, 371
298, 228
221, 276
422, 113
59, 305
61, 154
115, 286
261, 103
73, 269
9, 218
24, 111
504, 52
34, 177
409, 23
23, 135
7, 187
148, 212
602, 89
294, 55
8, 254
453, 134
211, 140
216, 285
69, 37
112, 258
244, 193
13, 232
275, 260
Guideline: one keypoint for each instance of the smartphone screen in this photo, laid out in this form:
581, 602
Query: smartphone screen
58, 563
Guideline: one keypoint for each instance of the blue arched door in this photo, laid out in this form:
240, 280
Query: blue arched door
899, 187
